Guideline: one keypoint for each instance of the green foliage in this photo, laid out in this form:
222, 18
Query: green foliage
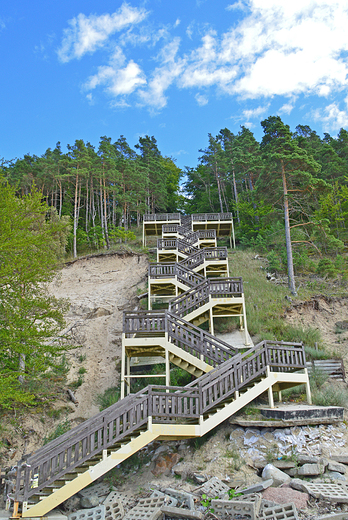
108, 398
60, 429
274, 262
31, 242
121, 234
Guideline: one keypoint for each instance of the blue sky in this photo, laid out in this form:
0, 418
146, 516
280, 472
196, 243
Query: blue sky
176, 70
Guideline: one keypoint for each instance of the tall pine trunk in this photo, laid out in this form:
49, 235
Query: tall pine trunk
291, 276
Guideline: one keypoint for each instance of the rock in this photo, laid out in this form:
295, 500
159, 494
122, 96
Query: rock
335, 475
200, 479
297, 483
284, 464
311, 470
340, 458
278, 476
164, 463
286, 494
90, 501
256, 488
72, 503
307, 459
336, 466
162, 449
292, 472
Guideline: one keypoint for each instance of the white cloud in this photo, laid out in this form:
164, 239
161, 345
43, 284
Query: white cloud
332, 117
278, 48
163, 76
237, 5
119, 81
88, 33
255, 112
201, 100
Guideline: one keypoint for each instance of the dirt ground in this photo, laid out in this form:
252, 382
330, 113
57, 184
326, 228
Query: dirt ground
99, 289
329, 316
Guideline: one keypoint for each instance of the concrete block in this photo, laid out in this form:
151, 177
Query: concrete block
177, 513
168, 500
254, 498
281, 512
214, 488
126, 499
278, 476
257, 488
184, 499
235, 508
114, 510
55, 514
97, 513
334, 493
137, 513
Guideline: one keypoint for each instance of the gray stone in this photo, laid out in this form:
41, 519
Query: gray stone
298, 484
307, 459
257, 488
284, 464
333, 516
278, 476
311, 470
182, 514
335, 475
200, 479
292, 472
89, 501
336, 466
340, 458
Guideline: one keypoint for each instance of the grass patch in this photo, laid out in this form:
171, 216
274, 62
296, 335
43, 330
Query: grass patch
108, 398
61, 428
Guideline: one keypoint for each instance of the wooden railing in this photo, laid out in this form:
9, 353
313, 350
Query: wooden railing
164, 404
211, 216
211, 253
191, 339
183, 246
197, 342
170, 270
198, 296
161, 216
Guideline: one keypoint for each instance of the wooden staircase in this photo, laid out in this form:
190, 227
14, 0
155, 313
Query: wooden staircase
226, 380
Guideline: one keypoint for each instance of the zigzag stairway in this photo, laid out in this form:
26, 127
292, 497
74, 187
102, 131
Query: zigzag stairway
191, 276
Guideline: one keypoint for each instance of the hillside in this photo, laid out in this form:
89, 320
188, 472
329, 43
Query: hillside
100, 287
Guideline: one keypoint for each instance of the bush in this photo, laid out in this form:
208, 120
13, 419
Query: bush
330, 395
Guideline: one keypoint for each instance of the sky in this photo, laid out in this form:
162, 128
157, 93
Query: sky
175, 70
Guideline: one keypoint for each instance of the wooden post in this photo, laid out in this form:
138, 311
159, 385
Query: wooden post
270, 391
167, 369
123, 365
308, 388
128, 374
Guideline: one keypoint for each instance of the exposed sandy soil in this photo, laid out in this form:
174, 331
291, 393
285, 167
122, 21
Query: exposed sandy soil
99, 288
329, 316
